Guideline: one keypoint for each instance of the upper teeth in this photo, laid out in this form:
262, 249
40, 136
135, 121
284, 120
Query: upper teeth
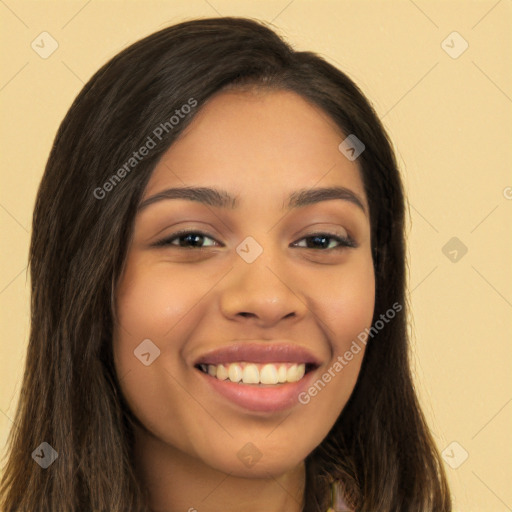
251, 373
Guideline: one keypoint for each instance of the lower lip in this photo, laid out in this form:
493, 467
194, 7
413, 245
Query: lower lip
270, 398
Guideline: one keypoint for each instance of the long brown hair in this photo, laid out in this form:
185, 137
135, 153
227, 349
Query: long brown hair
380, 448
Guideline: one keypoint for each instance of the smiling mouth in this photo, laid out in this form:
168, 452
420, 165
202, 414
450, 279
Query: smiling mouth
255, 373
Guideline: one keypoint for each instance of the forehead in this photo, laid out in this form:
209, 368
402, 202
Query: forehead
258, 142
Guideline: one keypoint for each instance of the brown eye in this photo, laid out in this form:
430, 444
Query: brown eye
187, 240
325, 241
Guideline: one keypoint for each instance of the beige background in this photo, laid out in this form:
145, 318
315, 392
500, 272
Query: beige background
450, 120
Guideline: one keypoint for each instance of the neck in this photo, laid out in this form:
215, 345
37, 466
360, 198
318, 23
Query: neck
178, 482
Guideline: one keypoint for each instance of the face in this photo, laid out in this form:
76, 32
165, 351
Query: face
261, 271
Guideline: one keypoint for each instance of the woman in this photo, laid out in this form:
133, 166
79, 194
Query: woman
218, 302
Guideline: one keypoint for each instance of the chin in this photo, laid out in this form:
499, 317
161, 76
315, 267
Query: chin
249, 461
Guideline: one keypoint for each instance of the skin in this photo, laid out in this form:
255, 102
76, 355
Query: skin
259, 146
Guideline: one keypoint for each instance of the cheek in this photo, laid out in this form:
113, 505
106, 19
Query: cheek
344, 301
151, 301
151, 304
155, 304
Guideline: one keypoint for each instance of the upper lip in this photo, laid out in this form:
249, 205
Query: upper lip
269, 352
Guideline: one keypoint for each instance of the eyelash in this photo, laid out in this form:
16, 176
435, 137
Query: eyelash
344, 242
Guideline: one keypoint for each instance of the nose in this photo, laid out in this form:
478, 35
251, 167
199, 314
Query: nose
261, 294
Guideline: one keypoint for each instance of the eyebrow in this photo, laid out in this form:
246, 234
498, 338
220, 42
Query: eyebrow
222, 199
